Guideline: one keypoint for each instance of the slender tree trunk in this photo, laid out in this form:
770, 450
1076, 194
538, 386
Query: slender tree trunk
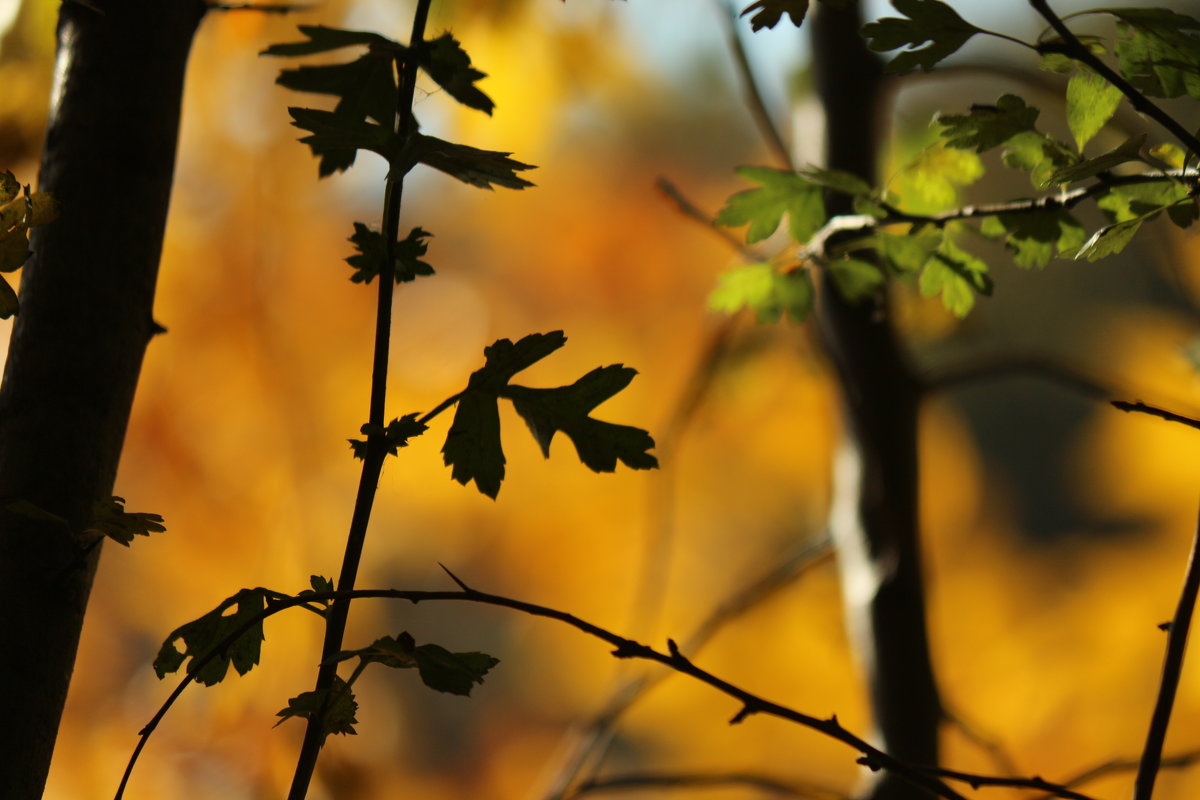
874, 518
86, 299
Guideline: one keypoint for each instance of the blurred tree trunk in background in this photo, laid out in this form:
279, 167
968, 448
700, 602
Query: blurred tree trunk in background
86, 300
874, 514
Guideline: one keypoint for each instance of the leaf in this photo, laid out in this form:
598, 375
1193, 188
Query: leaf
453, 673
1039, 155
957, 276
395, 435
473, 449
837, 180
1091, 102
782, 192
928, 21
908, 253
985, 127
450, 67
1129, 150
335, 137
767, 13
440, 669
855, 279
1159, 51
20, 210
763, 289
319, 584
931, 180
335, 707
483, 168
1110, 239
322, 39
567, 408
1036, 237
1122, 203
109, 518
372, 255
202, 635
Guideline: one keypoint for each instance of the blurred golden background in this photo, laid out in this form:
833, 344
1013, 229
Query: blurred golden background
1056, 527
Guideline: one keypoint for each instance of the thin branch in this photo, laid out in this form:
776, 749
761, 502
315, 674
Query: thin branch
980, 781
1143, 786
987, 744
871, 756
753, 95
1153, 411
1178, 761
596, 734
693, 212
981, 369
1078, 51
689, 780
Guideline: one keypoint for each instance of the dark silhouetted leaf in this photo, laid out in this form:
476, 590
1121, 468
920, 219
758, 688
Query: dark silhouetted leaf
450, 67
483, 168
109, 518
567, 408
440, 669
767, 13
372, 255
322, 39
928, 22
395, 435
335, 707
201, 636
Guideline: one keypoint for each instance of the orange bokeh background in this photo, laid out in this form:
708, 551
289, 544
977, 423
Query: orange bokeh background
1045, 645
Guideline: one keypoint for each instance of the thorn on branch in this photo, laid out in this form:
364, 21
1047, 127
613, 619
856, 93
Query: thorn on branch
744, 712
456, 579
870, 763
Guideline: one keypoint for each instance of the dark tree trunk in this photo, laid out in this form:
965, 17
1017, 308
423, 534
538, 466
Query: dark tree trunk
874, 518
86, 300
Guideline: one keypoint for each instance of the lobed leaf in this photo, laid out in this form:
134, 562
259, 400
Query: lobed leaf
1037, 237
955, 275
1159, 50
765, 290
444, 60
109, 518
931, 23
767, 13
201, 636
395, 435
985, 127
335, 707
440, 669
782, 192
372, 255
856, 279
322, 39
483, 168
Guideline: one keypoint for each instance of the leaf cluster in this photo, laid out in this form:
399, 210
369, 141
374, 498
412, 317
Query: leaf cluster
20, 210
109, 518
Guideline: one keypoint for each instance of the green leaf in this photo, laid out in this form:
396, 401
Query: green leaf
1159, 51
928, 21
782, 192
1110, 239
567, 409
837, 180
473, 449
909, 252
1036, 237
109, 518
335, 707
985, 127
1039, 155
855, 279
450, 67
201, 636
957, 276
322, 39
1122, 203
1129, 150
767, 13
372, 255
1091, 102
931, 180
764, 289
483, 168
395, 435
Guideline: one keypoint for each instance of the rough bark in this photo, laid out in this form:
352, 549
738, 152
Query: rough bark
86, 299
874, 518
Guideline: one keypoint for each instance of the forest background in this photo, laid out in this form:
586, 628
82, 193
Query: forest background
1055, 527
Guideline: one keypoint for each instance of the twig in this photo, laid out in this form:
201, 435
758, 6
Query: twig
989, 745
376, 450
753, 95
692, 211
871, 756
1178, 761
1143, 785
1010, 365
1077, 50
688, 780
590, 744
1156, 412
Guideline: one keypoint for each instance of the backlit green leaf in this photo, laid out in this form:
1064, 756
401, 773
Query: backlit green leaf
1037, 237
930, 182
1110, 239
957, 276
1129, 150
855, 279
763, 289
782, 192
985, 127
1159, 50
1091, 102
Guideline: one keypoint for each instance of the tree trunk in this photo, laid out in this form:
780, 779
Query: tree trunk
76, 350
874, 516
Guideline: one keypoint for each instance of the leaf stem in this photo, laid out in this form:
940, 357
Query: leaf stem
1143, 785
335, 630
1077, 50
